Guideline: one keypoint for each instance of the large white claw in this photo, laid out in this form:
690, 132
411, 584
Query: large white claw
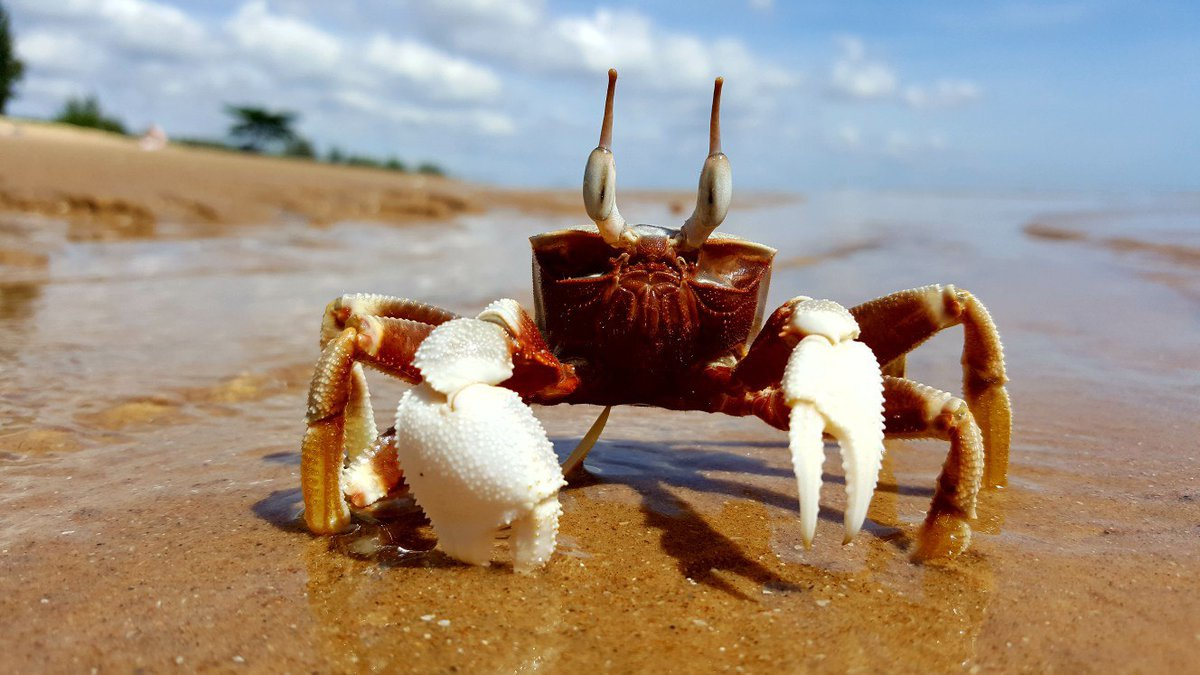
473, 454
833, 385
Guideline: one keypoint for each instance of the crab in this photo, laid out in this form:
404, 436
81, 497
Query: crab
630, 314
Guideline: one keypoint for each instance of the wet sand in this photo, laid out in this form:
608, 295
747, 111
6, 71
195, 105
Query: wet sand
151, 399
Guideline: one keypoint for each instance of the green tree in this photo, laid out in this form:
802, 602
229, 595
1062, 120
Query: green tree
300, 147
86, 112
430, 169
257, 128
11, 68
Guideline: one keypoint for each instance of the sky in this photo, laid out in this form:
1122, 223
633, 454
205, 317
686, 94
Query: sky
1018, 95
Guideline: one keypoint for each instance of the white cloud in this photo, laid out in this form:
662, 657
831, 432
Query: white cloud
282, 42
524, 36
485, 122
942, 94
294, 49
131, 26
438, 72
59, 53
762, 5
469, 81
854, 76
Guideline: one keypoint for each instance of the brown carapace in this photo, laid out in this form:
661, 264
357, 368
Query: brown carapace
640, 325
647, 315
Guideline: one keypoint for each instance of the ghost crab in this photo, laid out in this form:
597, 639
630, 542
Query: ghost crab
642, 315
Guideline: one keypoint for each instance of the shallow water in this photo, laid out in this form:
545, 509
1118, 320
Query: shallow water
152, 391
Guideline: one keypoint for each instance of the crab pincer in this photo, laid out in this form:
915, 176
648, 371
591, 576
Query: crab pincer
833, 384
474, 456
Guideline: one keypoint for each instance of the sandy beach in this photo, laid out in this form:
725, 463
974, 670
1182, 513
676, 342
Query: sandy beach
159, 317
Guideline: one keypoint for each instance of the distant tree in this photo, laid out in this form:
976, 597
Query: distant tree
363, 160
300, 147
208, 143
335, 155
11, 68
86, 112
430, 169
394, 164
255, 128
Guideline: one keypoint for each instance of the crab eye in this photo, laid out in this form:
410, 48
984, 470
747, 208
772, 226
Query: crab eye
600, 179
716, 185
600, 185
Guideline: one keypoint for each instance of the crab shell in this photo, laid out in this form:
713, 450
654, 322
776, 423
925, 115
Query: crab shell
634, 319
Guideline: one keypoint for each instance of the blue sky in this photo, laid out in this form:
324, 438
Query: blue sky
920, 95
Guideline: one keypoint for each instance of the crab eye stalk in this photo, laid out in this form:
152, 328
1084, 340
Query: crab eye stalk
716, 185
600, 180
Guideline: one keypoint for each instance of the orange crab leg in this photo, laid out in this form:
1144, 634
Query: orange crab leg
376, 330
763, 365
341, 425
897, 323
913, 410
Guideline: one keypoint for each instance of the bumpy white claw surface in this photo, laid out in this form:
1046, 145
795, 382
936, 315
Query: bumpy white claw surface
462, 352
834, 386
474, 455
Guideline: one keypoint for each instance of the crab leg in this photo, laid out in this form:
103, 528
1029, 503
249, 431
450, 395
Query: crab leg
917, 411
898, 323
340, 455
340, 420
771, 349
373, 474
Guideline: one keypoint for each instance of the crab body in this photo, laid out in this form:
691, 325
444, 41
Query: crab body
642, 315
637, 323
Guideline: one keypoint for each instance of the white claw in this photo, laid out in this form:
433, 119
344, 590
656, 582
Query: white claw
834, 386
473, 454
462, 352
805, 426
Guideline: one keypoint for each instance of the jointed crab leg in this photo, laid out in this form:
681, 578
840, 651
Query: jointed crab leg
769, 353
910, 409
340, 420
915, 410
897, 323
341, 426
575, 459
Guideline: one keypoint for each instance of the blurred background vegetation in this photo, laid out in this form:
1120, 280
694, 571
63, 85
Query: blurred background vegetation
253, 128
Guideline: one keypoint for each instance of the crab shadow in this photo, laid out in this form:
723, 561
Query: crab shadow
660, 471
400, 536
